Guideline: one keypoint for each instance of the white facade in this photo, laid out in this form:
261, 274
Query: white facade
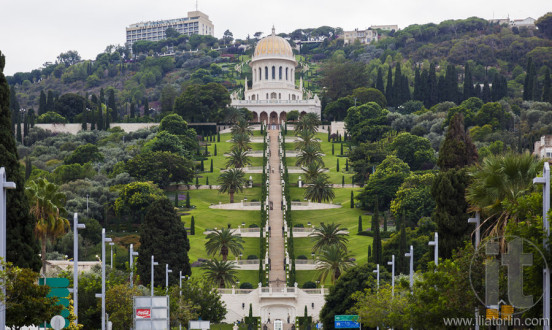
196, 23
543, 147
363, 36
385, 27
274, 93
271, 304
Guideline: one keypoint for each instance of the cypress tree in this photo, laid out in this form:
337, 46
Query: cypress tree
187, 199
333, 149
359, 224
432, 92
102, 96
42, 103
111, 104
379, 81
347, 165
342, 181
329, 134
528, 83
384, 222
132, 110
211, 168
451, 83
31, 117
192, 226
457, 150
417, 85
341, 149
28, 168
352, 199
401, 260
100, 121
397, 86
18, 126
389, 87
92, 120
218, 136
215, 150
163, 235
378, 253
197, 181
468, 82
146, 107
50, 101
107, 121
536, 94
486, 93
547, 87
337, 166
207, 181
21, 244
369, 253
202, 166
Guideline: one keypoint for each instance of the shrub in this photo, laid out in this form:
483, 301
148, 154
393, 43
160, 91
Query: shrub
252, 257
246, 285
309, 285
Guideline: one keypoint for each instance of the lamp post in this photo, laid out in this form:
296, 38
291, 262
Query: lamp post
477, 221
180, 277
76, 227
411, 256
167, 271
111, 247
153, 263
435, 243
132, 254
4, 186
102, 295
377, 276
392, 264
545, 181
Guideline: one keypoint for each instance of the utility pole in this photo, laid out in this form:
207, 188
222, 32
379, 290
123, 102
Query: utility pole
76, 227
132, 254
3, 194
545, 181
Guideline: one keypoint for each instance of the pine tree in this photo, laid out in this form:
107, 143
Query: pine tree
389, 87
379, 81
187, 199
211, 168
21, 244
192, 226
163, 235
352, 199
42, 103
359, 224
547, 87
468, 82
378, 253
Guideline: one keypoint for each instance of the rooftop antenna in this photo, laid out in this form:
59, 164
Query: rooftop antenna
196, 5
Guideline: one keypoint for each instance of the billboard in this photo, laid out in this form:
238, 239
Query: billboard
151, 313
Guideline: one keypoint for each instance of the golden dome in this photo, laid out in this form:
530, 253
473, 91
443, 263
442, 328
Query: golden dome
273, 45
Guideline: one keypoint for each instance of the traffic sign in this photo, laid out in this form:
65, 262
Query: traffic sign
54, 282
57, 322
506, 312
58, 289
346, 321
58, 292
491, 314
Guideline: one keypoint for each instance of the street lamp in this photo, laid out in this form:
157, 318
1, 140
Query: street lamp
111, 247
102, 295
167, 271
180, 277
392, 264
411, 256
153, 263
132, 254
477, 221
378, 273
76, 227
4, 185
545, 181
435, 243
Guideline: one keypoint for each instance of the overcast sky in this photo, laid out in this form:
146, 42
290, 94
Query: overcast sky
33, 32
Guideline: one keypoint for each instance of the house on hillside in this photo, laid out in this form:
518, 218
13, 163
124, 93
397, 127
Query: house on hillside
543, 147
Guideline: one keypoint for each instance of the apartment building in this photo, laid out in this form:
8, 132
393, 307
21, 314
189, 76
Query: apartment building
364, 36
196, 23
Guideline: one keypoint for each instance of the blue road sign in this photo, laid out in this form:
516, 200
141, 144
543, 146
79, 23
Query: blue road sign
346, 324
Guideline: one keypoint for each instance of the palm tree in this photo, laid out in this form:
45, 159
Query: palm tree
333, 261
220, 272
312, 171
328, 235
47, 205
241, 127
498, 183
320, 190
310, 154
238, 158
231, 181
308, 122
241, 141
306, 138
223, 241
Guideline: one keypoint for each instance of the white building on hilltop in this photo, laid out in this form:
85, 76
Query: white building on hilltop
274, 93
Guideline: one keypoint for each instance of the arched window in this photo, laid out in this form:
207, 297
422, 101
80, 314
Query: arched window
253, 97
287, 74
273, 96
260, 74
267, 96
266, 72
273, 73
293, 97
279, 96
280, 73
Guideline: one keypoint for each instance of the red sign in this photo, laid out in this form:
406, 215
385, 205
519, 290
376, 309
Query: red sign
143, 313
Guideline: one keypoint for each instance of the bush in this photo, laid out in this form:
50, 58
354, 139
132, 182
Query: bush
309, 285
302, 257
298, 225
246, 285
252, 257
253, 225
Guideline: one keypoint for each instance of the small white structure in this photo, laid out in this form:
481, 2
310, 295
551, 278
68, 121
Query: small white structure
273, 93
543, 147
273, 303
